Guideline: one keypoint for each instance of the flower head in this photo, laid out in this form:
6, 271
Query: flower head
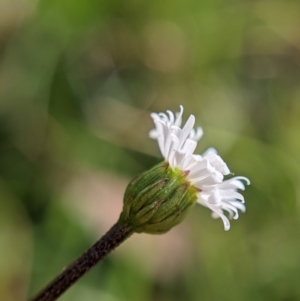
205, 172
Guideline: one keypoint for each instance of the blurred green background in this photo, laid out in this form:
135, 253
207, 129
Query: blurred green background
78, 80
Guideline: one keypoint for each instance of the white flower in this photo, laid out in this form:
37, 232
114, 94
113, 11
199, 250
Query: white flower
206, 172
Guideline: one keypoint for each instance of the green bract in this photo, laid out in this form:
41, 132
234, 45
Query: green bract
157, 200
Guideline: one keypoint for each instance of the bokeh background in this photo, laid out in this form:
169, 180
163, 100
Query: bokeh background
78, 80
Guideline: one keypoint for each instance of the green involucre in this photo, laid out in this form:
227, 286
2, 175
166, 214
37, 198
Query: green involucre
157, 200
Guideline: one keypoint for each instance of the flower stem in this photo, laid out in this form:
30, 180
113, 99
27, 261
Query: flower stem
116, 235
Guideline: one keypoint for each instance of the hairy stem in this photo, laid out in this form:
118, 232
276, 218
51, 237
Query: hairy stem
117, 234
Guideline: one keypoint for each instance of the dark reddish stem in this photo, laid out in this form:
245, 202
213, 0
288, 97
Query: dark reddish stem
116, 235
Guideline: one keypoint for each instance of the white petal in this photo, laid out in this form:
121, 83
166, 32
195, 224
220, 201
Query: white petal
232, 184
189, 147
211, 179
216, 161
179, 157
179, 117
210, 150
186, 162
186, 130
230, 208
171, 117
214, 198
238, 205
200, 169
222, 216
172, 150
232, 195
196, 134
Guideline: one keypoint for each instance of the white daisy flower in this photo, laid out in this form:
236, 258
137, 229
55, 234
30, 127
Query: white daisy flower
206, 172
